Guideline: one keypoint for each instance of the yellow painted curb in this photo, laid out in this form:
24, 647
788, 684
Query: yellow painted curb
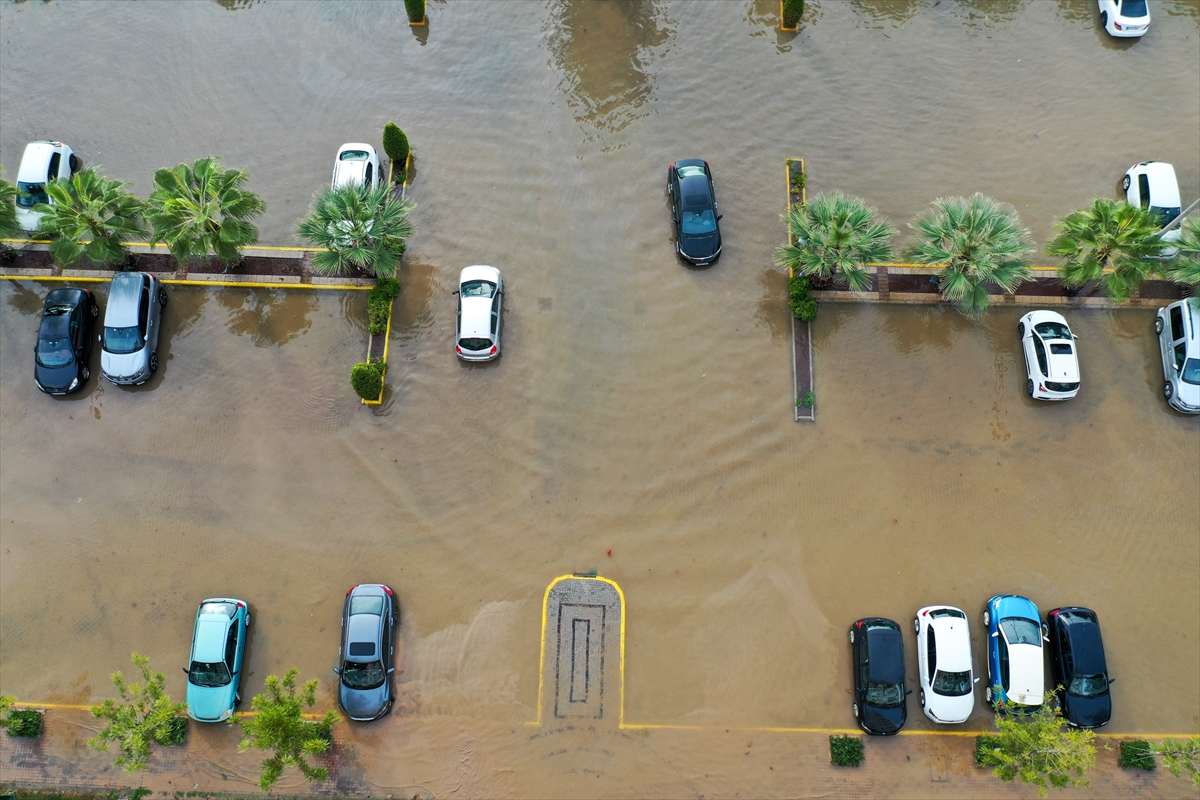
386, 341
151, 246
425, 21
783, 27
175, 282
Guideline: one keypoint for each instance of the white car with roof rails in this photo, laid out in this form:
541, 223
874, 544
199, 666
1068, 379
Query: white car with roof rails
1152, 185
42, 162
1051, 363
356, 164
1178, 329
480, 313
944, 664
1125, 19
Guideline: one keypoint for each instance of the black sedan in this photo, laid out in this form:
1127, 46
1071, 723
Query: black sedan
694, 211
879, 691
1078, 666
369, 620
60, 358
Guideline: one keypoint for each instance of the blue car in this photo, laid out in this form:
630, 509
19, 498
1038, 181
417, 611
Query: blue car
1016, 672
215, 671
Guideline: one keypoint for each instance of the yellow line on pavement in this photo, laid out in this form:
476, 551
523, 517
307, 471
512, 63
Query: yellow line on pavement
341, 287
78, 707
276, 248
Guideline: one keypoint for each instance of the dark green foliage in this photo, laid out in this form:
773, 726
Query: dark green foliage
806, 401
379, 304
367, 379
144, 716
845, 751
359, 228
804, 305
82, 794
1137, 754
26, 722
415, 9
395, 144
792, 11
176, 733
985, 746
278, 727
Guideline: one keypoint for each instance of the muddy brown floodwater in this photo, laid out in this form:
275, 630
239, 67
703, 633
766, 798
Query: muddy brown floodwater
640, 408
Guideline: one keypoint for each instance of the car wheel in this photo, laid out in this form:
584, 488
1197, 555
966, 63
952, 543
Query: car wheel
85, 373
1104, 24
1021, 329
856, 710
237, 698
74, 162
987, 694
154, 362
916, 625
95, 310
1029, 387
1168, 390
922, 698
247, 619
852, 636
1158, 325
162, 297
987, 618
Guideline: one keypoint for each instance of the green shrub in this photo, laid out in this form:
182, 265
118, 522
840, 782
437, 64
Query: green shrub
984, 751
25, 722
806, 401
845, 751
176, 733
380, 302
415, 9
367, 379
1136, 754
395, 143
792, 11
804, 305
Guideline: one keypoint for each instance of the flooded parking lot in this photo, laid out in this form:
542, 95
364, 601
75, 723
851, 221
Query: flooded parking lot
640, 409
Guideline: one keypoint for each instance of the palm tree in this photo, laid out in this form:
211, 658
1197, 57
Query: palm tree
1111, 241
975, 240
90, 216
836, 236
1185, 267
202, 210
358, 227
9, 227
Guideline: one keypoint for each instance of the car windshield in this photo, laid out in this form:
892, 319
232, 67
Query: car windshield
478, 289
952, 684
1133, 8
203, 673
362, 676
1021, 631
30, 194
1052, 330
1088, 685
1165, 215
885, 695
54, 352
1060, 349
701, 221
475, 344
122, 340
224, 609
1191, 371
690, 171
354, 155
369, 604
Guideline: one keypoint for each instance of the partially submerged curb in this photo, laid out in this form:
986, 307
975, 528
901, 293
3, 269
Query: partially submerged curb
802, 373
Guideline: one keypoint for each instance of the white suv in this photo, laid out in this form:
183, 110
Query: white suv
43, 162
1178, 329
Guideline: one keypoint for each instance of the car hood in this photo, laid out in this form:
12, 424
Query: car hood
884, 720
208, 703
56, 377
122, 366
1063, 367
699, 245
1088, 712
363, 703
1189, 394
950, 709
1027, 684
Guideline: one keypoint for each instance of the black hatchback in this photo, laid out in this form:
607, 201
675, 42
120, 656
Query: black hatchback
60, 358
879, 691
1078, 666
694, 211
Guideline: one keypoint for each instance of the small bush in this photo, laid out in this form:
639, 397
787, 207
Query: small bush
25, 722
176, 733
415, 9
806, 401
984, 747
1136, 754
395, 143
367, 379
380, 303
792, 11
804, 305
845, 751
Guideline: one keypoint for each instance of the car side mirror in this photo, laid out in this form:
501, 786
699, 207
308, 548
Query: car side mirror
1112, 680
975, 681
337, 670
390, 671
455, 291
906, 694
720, 216
186, 672
995, 634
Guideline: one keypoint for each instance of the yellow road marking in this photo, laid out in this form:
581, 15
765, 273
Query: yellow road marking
181, 282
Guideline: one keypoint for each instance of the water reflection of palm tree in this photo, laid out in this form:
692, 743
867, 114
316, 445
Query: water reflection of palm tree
601, 48
270, 317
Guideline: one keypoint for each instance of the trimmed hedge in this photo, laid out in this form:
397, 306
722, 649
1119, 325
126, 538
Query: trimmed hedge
379, 303
25, 722
845, 751
792, 11
367, 379
415, 9
1137, 754
804, 305
395, 143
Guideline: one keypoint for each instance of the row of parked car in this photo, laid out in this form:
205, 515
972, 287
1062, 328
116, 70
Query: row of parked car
1015, 665
366, 657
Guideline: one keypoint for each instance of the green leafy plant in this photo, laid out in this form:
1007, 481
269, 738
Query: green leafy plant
367, 379
845, 751
799, 177
984, 745
792, 11
395, 144
358, 227
25, 722
415, 9
200, 209
800, 299
1111, 242
806, 401
279, 726
974, 241
9, 227
1037, 748
1185, 266
835, 236
90, 216
1180, 756
1136, 754
144, 716
379, 304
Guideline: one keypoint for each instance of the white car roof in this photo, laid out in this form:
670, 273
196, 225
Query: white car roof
1164, 187
953, 643
476, 320
124, 299
1026, 683
35, 162
479, 272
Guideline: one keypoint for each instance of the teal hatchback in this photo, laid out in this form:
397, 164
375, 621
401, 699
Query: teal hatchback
215, 671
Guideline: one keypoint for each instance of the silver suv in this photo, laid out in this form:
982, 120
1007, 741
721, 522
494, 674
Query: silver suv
1178, 329
129, 343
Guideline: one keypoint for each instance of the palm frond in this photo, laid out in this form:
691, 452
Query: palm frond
200, 210
836, 236
1112, 242
89, 208
360, 227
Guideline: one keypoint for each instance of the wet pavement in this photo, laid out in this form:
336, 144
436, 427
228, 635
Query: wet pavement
640, 408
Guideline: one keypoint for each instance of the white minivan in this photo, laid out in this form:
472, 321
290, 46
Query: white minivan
1178, 329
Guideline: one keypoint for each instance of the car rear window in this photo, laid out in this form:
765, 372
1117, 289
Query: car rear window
691, 171
475, 344
224, 609
478, 289
354, 155
1061, 387
1133, 8
370, 604
947, 612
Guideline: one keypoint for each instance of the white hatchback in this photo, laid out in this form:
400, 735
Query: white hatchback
477, 326
1124, 18
1050, 358
357, 164
944, 664
42, 162
1152, 185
